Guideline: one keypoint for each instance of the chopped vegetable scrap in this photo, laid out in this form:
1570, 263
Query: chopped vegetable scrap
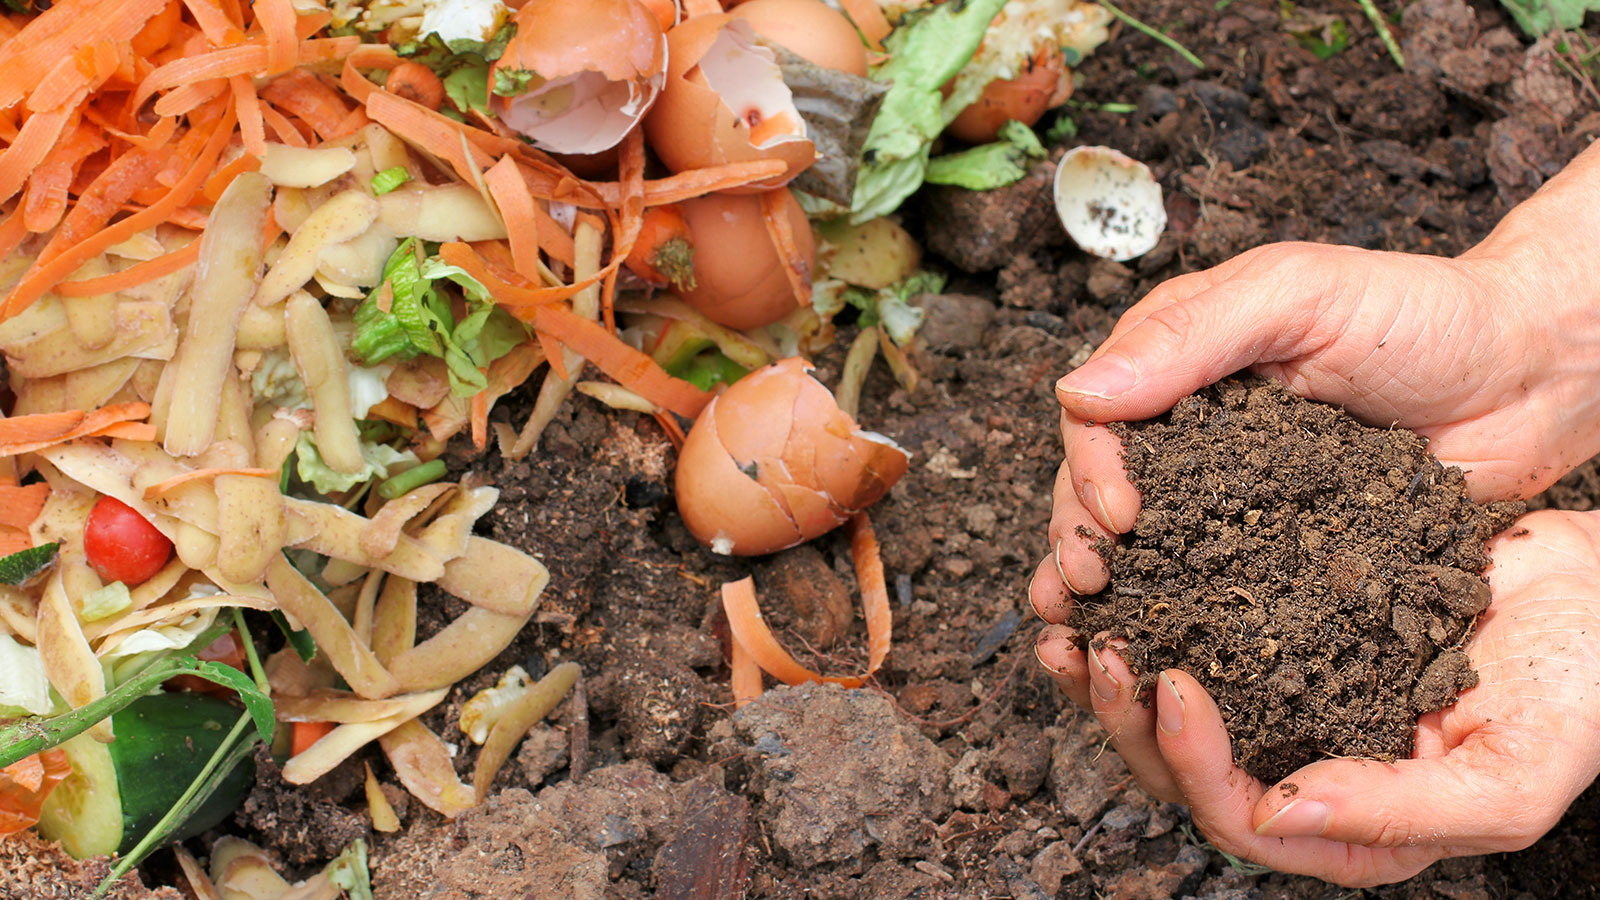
260, 262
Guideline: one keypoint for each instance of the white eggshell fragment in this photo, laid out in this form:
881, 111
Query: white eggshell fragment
1109, 204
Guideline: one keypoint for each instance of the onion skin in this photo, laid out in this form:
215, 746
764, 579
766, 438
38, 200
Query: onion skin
773, 462
1024, 98
739, 277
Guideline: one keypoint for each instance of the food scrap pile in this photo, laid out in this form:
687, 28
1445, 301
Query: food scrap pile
261, 262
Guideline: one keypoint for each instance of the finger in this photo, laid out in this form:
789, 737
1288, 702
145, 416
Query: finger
1058, 653
1131, 724
1048, 593
1174, 290
1222, 797
1257, 314
1499, 791
1073, 533
1094, 456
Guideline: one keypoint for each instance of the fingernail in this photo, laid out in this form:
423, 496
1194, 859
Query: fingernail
1170, 712
1056, 555
1096, 501
1050, 634
1106, 686
1044, 665
1105, 378
1301, 818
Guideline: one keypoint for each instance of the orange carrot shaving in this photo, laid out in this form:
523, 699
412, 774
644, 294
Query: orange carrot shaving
512, 295
663, 254
304, 96
276, 18
283, 129
630, 171
59, 32
25, 784
370, 56
516, 205
67, 260
12, 231
156, 490
189, 96
775, 210
218, 29
252, 131
687, 185
242, 59
224, 176
19, 506
480, 417
32, 145
127, 431
553, 355
869, 20
159, 31
46, 199
750, 631
304, 734
746, 681
29, 434
430, 131
133, 276
632, 369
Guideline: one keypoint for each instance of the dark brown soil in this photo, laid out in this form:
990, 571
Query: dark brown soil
1318, 576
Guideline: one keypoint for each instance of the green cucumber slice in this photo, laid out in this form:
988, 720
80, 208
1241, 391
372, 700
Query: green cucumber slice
117, 792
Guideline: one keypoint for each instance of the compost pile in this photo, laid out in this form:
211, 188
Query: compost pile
1320, 577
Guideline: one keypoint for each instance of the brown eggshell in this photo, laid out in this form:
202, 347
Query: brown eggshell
809, 29
739, 277
620, 39
691, 127
773, 461
1024, 98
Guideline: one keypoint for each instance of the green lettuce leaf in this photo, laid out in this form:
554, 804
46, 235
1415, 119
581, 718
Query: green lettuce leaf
389, 179
1535, 15
990, 166
379, 458
24, 689
23, 565
924, 52
468, 87
419, 320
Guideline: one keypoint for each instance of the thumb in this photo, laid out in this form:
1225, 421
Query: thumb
1183, 346
1485, 795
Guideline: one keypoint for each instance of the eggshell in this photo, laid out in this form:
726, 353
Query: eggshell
772, 462
809, 29
1024, 98
599, 65
1109, 204
739, 277
692, 125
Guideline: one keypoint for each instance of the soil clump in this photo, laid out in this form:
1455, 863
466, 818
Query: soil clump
1318, 576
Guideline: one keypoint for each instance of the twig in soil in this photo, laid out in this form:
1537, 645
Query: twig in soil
578, 762
1141, 27
1378, 22
1088, 836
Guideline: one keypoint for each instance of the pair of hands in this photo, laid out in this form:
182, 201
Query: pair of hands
1495, 357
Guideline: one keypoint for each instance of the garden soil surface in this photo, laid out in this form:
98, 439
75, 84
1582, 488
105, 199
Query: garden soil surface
959, 772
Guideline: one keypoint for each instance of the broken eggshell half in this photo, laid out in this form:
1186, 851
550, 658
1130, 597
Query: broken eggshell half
725, 102
772, 462
580, 74
1109, 203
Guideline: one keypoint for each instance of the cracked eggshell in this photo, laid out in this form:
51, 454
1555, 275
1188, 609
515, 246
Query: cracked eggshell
773, 462
810, 29
725, 101
739, 277
597, 67
1110, 204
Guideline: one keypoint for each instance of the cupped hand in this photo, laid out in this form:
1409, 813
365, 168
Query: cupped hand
1499, 377
1491, 773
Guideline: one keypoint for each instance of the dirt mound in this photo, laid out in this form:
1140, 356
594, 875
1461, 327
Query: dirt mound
1318, 576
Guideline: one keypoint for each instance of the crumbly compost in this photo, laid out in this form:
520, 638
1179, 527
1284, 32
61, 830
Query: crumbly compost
1318, 576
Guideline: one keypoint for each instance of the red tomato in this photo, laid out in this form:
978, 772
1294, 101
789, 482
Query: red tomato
122, 545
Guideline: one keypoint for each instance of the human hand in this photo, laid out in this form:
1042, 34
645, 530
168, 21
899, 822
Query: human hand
1491, 773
